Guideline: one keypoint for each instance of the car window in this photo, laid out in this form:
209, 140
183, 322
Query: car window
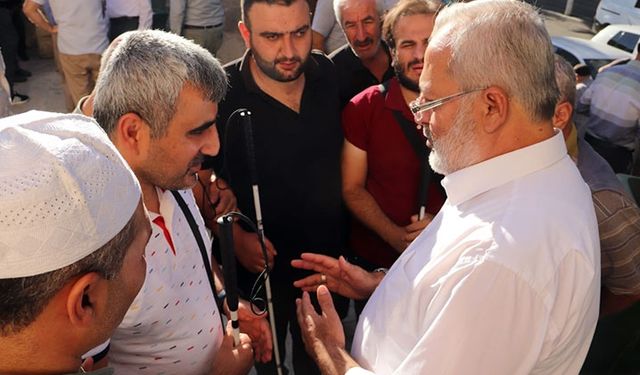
567, 56
595, 64
625, 41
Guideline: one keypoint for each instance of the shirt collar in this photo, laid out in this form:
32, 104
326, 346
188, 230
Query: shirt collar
394, 100
472, 181
310, 72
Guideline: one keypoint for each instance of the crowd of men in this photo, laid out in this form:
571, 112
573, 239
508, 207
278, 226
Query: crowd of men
436, 179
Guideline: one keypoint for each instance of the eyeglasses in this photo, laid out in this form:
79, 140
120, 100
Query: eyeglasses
418, 108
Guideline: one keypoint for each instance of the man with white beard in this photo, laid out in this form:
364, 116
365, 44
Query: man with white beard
497, 283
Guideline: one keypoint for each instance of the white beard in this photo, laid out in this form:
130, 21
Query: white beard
457, 148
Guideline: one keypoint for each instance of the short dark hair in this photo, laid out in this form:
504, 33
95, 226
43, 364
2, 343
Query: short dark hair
23, 299
245, 5
582, 70
406, 8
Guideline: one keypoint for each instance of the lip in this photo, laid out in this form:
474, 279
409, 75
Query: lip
288, 65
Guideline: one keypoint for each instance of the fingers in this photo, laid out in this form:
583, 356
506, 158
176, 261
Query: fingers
270, 248
326, 302
319, 259
309, 283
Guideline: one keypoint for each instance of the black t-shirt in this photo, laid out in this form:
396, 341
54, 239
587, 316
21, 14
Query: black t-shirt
353, 77
297, 160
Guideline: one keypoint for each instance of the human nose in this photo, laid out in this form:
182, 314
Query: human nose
288, 47
211, 142
360, 32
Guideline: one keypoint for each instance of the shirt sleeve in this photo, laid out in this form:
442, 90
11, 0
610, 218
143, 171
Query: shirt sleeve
176, 15
354, 123
324, 18
145, 15
584, 102
619, 227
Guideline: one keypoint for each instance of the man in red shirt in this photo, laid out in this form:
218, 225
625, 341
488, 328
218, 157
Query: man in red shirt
381, 169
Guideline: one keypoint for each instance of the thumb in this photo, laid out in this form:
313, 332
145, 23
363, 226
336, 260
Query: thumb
414, 218
325, 301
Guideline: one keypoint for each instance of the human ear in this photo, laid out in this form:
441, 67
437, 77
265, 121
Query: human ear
495, 108
562, 117
245, 33
130, 133
85, 294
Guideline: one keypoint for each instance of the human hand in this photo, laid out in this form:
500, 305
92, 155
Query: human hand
230, 359
340, 276
221, 197
416, 227
249, 251
319, 331
257, 327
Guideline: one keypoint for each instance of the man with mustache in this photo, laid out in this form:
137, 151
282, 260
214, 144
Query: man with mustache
381, 170
498, 283
365, 60
292, 95
161, 114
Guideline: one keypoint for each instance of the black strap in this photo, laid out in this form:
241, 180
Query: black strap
203, 250
419, 147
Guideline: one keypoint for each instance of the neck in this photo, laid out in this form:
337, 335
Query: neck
150, 196
408, 95
377, 64
287, 93
38, 350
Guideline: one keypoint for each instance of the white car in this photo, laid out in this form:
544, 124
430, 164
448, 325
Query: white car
594, 54
624, 37
610, 12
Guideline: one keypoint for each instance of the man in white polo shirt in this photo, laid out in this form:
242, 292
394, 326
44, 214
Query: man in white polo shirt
81, 34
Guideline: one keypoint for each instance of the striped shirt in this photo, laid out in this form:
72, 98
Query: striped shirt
613, 101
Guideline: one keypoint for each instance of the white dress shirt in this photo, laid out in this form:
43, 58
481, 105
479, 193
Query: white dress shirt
505, 279
132, 8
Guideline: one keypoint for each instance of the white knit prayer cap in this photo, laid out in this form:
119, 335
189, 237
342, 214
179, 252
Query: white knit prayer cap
65, 191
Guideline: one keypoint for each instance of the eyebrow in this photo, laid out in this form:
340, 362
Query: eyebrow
280, 33
202, 127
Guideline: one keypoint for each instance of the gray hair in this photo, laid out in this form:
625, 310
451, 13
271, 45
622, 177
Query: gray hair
23, 299
565, 79
339, 4
145, 74
502, 43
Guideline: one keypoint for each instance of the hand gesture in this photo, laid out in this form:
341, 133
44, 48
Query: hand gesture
339, 275
319, 331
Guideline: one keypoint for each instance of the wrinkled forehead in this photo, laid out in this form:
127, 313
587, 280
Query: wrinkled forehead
355, 8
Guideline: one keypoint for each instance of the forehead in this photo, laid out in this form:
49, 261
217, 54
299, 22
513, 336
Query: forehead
435, 76
413, 27
354, 10
278, 17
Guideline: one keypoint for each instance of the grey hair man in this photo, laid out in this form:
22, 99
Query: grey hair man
365, 60
619, 228
157, 99
71, 241
497, 283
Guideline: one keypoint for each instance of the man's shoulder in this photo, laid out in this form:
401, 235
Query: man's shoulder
369, 97
342, 55
233, 67
321, 58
